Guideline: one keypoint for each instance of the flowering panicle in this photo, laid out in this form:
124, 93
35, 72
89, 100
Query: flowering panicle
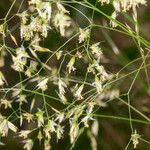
37, 24
41, 68
61, 19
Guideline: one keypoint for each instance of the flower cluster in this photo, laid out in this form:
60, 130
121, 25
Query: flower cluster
61, 19
122, 6
40, 85
31, 24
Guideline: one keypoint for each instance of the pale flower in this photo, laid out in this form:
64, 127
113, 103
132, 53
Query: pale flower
49, 128
20, 60
61, 21
47, 145
23, 17
83, 34
98, 85
21, 52
86, 119
16, 91
90, 107
31, 69
77, 112
96, 50
63, 98
47, 132
101, 71
95, 128
40, 136
91, 68
99, 68
28, 116
104, 1
21, 99
59, 132
28, 144
128, 4
59, 54
35, 24
135, 138
44, 10
61, 86
60, 117
70, 65
61, 8
79, 54
6, 103
78, 92
34, 2
24, 133
40, 118
74, 131
52, 125
2, 29
43, 84
88, 115
112, 22
124, 5
5, 125
117, 6
26, 32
